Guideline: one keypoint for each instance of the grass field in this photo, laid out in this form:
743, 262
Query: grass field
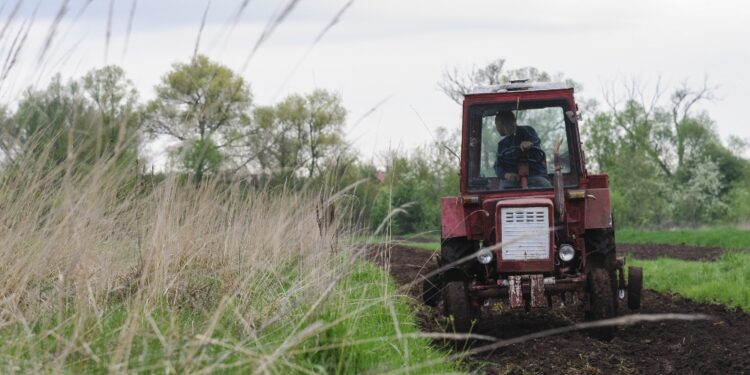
724, 237
725, 281
432, 246
100, 277
420, 241
357, 329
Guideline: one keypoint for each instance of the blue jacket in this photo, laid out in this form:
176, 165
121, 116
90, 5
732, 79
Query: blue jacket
507, 157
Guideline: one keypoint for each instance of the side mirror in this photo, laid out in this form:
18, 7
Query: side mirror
572, 117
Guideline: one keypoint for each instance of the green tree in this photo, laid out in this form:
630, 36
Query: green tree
325, 121
78, 121
206, 107
116, 101
699, 198
738, 196
45, 123
298, 134
664, 153
415, 182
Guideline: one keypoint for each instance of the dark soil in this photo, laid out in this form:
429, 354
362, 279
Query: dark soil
720, 346
685, 252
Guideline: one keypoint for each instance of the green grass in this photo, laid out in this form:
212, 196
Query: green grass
403, 240
725, 281
724, 237
432, 246
378, 321
362, 318
421, 240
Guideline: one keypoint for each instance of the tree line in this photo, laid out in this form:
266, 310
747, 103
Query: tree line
206, 113
202, 106
667, 164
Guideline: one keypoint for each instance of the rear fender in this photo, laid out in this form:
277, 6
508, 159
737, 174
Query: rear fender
453, 249
599, 241
452, 217
598, 209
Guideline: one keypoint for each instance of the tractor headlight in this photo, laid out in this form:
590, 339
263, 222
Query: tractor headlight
566, 252
484, 256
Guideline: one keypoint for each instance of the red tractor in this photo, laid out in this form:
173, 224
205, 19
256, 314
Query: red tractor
531, 223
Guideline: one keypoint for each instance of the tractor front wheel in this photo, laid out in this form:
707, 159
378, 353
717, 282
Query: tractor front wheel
602, 302
635, 285
458, 307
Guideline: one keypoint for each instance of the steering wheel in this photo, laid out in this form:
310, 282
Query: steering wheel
513, 155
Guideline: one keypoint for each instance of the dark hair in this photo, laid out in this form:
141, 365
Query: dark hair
506, 116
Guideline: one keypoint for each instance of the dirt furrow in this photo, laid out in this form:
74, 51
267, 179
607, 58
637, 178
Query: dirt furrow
720, 346
684, 252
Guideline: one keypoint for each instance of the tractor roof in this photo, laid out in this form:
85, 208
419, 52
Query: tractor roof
520, 85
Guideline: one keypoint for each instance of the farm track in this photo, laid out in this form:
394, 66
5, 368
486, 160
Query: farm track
721, 346
684, 252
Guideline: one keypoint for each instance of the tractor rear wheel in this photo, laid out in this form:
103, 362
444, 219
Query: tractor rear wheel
635, 285
602, 301
458, 306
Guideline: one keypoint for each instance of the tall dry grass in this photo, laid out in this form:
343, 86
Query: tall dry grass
103, 271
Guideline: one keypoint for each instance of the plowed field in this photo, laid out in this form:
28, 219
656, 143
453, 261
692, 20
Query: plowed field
720, 346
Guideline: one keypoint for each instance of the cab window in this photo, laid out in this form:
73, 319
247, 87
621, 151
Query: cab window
504, 136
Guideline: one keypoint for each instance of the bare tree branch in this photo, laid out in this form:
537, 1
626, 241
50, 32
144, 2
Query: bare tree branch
457, 81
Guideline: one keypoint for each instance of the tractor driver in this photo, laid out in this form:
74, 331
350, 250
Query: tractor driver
517, 140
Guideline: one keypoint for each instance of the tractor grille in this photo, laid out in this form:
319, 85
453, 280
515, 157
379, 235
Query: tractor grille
525, 233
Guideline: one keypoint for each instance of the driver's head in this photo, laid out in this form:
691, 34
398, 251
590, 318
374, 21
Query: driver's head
505, 123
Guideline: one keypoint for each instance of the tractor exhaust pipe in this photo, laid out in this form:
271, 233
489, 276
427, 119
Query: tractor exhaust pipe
557, 183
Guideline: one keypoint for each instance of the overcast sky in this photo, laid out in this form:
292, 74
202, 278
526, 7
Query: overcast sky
396, 50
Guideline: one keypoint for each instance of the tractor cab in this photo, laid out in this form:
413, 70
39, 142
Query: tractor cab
530, 222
